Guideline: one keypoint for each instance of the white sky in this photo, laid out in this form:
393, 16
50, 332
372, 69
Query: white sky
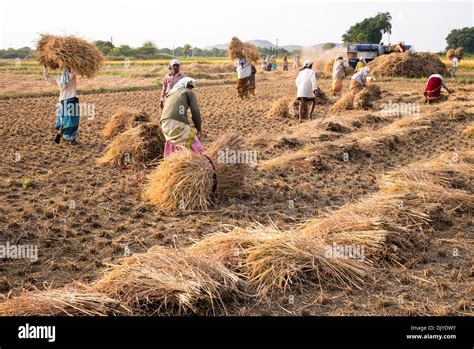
424, 24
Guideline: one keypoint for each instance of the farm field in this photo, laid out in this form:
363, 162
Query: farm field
315, 171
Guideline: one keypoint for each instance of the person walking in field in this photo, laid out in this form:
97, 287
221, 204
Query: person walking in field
285, 63
306, 90
67, 110
433, 87
361, 64
296, 62
252, 80
338, 75
244, 71
359, 80
174, 121
170, 79
454, 66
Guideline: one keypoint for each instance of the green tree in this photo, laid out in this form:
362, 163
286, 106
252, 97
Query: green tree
126, 50
461, 38
148, 49
369, 30
186, 50
104, 46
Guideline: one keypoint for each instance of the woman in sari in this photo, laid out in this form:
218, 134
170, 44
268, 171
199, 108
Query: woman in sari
244, 71
361, 64
174, 121
338, 74
67, 110
433, 89
359, 80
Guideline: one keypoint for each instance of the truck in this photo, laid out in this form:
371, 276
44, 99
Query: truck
368, 51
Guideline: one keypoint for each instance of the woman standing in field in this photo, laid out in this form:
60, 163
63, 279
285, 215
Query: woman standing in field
244, 70
67, 109
174, 119
433, 89
285, 63
337, 75
170, 79
306, 90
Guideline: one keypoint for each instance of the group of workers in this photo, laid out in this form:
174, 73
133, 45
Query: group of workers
177, 97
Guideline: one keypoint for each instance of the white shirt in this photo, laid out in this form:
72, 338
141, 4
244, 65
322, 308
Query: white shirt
69, 91
306, 83
455, 61
243, 70
360, 77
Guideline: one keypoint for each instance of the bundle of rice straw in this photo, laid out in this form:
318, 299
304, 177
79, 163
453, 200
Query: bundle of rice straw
275, 261
58, 52
171, 281
459, 52
280, 108
189, 181
364, 99
345, 102
239, 49
407, 64
468, 131
328, 66
137, 147
62, 302
124, 119
450, 53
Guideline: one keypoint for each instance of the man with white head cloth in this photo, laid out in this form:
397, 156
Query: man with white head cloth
174, 119
306, 89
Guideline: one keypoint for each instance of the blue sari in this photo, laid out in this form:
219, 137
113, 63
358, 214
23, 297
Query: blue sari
68, 117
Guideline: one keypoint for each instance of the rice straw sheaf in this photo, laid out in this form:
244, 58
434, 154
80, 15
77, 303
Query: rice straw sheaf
239, 49
280, 108
79, 55
275, 261
345, 102
62, 302
124, 119
189, 181
459, 52
138, 147
450, 53
169, 281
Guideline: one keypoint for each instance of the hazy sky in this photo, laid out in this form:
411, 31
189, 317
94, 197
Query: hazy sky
425, 24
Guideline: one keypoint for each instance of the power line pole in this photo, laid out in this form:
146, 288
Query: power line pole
276, 53
111, 40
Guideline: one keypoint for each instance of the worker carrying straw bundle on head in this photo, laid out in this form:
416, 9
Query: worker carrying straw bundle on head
67, 110
171, 79
359, 80
433, 88
244, 71
338, 74
306, 89
174, 120
361, 64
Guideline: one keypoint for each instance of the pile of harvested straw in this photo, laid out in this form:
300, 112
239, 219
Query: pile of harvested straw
407, 64
58, 52
171, 281
239, 49
124, 119
459, 52
137, 147
280, 108
189, 181
364, 99
345, 102
62, 302
450, 53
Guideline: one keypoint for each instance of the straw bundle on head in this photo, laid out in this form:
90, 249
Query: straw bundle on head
58, 52
62, 302
188, 180
450, 53
137, 147
459, 52
124, 119
239, 49
280, 108
171, 281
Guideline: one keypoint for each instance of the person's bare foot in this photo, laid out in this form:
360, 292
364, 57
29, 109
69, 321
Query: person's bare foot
74, 142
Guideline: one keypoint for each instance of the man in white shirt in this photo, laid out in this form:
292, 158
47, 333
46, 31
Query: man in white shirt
244, 70
306, 89
454, 66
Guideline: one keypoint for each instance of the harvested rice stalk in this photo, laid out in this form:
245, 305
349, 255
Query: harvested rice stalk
62, 302
137, 147
124, 119
450, 54
407, 64
171, 281
239, 49
459, 52
188, 181
58, 52
280, 108
345, 102
364, 99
